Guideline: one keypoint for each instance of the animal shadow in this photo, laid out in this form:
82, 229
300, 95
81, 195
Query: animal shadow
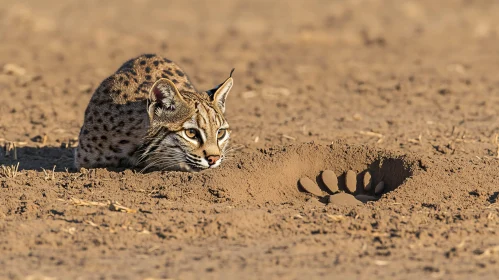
34, 158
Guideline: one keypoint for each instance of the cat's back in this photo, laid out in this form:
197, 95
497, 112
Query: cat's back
116, 118
133, 80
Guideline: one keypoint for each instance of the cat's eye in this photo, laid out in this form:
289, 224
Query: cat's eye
221, 133
191, 133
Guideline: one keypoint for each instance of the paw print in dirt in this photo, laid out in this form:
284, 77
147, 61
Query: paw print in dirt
350, 193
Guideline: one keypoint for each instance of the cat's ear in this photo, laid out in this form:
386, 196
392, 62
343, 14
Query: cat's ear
164, 99
219, 94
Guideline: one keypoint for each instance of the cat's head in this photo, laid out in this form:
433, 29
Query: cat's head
188, 130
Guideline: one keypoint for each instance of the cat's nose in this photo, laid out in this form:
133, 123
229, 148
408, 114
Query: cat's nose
212, 159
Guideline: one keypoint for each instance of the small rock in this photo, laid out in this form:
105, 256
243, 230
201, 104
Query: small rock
249, 94
379, 187
24, 80
351, 181
40, 139
330, 180
365, 198
310, 186
85, 88
367, 181
357, 117
13, 69
343, 199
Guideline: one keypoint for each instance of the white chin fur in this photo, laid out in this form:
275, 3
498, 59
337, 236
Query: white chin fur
205, 165
217, 164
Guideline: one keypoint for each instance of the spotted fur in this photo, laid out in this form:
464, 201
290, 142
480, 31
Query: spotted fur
149, 115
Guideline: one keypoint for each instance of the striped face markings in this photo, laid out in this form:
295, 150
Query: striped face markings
199, 137
204, 137
206, 127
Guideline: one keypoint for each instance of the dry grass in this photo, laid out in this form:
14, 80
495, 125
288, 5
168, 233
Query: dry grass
10, 149
113, 206
496, 142
373, 134
9, 171
48, 174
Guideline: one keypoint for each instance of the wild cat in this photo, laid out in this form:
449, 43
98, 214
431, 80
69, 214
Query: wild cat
149, 115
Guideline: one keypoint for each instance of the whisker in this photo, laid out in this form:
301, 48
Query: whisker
157, 163
162, 159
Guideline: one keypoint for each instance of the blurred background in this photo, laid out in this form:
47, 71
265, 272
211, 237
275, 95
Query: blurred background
410, 75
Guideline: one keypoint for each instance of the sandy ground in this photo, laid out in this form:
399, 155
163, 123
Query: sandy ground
405, 89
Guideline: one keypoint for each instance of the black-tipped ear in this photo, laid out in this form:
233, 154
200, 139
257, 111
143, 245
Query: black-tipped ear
221, 94
211, 92
163, 97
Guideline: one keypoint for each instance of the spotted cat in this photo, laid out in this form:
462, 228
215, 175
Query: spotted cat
149, 115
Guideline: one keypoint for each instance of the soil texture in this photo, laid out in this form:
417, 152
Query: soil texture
404, 90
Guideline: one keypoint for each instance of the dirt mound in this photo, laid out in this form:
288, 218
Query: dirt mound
251, 178
272, 174
256, 180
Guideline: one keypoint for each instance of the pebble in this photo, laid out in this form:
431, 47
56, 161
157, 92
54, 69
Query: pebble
351, 181
379, 187
365, 198
310, 186
330, 180
343, 199
367, 181
13, 69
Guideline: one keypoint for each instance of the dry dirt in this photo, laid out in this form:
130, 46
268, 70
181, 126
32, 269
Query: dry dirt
405, 89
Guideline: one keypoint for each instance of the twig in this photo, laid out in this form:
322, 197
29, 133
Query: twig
416, 140
113, 206
497, 144
81, 202
336, 218
370, 133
